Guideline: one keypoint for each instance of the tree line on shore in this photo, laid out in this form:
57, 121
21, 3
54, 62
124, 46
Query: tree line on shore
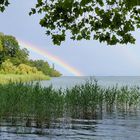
14, 60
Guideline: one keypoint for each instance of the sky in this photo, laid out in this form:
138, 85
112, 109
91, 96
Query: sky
90, 58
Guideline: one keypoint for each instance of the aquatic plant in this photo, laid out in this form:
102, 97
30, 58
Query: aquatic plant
84, 100
39, 106
30, 102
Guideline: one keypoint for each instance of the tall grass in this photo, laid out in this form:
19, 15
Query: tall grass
33, 103
28, 102
88, 100
83, 100
6, 78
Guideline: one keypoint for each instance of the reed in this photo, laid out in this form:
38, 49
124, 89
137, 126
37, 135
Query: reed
41, 105
90, 100
30, 102
83, 100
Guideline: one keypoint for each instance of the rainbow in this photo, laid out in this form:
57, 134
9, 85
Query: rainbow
50, 57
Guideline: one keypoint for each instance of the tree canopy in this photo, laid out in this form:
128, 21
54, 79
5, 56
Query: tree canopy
110, 21
9, 49
44, 66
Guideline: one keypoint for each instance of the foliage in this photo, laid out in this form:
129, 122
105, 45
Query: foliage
10, 45
43, 66
110, 21
8, 67
22, 56
3, 4
10, 50
25, 69
1, 45
54, 73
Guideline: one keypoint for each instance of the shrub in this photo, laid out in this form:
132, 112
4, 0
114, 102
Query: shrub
8, 67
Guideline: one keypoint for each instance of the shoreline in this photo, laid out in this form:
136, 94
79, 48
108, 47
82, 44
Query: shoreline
14, 78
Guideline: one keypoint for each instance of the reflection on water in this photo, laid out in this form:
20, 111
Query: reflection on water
112, 126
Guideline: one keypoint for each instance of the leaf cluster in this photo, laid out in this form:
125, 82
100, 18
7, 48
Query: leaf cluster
3, 4
110, 21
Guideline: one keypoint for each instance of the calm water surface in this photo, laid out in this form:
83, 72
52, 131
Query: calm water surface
70, 81
108, 126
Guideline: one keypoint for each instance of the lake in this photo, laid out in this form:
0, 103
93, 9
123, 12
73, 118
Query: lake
106, 81
116, 125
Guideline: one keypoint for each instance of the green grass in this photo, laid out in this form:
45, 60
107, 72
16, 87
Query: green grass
29, 102
6, 78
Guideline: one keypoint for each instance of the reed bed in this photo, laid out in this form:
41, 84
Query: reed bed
33, 103
30, 102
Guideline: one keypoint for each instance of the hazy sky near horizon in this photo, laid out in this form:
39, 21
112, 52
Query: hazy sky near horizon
89, 57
